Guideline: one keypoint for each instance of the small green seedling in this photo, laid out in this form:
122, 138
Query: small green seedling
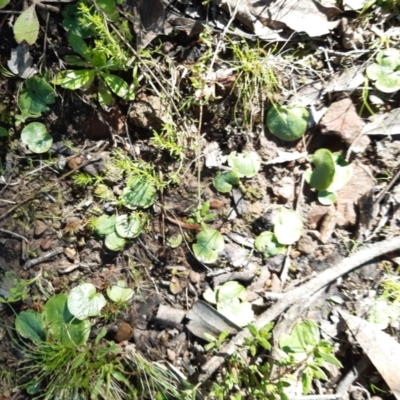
215, 342
117, 229
330, 174
288, 122
120, 293
209, 242
260, 338
201, 215
386, 307
386, 71
35, 136
230, 299
95, 66
243, 165
13, 288
84, 302
305, 348
268, 244
35, 98
138, 193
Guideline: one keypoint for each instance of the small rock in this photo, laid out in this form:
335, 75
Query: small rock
171, 355
74, 162
194, 277
285, 189
306, 245
70, 253
276, 285
216, 204
317, 211
40, 227
148, 112
124, 332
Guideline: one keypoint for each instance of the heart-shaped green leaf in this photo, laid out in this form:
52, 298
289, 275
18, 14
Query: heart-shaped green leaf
288, 122
138, 193
105, 224
119, 293
64, 327
245, 164
209, 243
288, 227
322, 175
114, 242
128, 227
224, 181
268, 244
35, 136
84, 302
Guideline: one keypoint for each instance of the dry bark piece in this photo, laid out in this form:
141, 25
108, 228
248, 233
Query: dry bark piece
342, 120
40, 227
169, 316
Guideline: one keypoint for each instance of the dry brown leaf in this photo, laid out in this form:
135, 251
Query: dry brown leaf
382, 349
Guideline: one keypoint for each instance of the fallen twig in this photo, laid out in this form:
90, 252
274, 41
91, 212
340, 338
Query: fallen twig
43, 257
300, 294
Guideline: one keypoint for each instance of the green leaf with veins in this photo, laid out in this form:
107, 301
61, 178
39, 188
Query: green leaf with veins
138, 193
118, 86
35, 136
41, 89
128, 227
245, 164
84, 302
29, 324
75, 79
105, 224
224, 181
26, 26
209, 243
114, 242
105, 96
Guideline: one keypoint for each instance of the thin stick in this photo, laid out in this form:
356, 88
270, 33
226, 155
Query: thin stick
42, 258
300, 294
14, 234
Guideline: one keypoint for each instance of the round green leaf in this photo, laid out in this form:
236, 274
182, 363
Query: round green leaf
105, 224
119, 293
64, 327
209, 243
138, 193
245, 164
128, 228
268, 244
35, 136
389, 58
29, 324
240, 313
26, 26
224, 181
75, 79
114, 242
288, 122
324, 171
84, 302
288, 227
389, 82
327, 198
